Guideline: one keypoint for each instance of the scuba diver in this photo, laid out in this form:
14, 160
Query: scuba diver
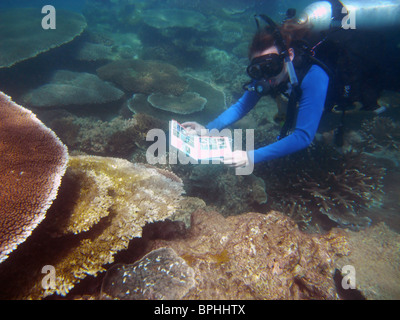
271, 70
281, 62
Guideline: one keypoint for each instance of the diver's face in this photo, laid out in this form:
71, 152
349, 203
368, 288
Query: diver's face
283, 75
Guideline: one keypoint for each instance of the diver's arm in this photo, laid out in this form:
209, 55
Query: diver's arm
314, 88
235, 112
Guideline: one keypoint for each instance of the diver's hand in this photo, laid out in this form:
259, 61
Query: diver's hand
193, 128
238, 158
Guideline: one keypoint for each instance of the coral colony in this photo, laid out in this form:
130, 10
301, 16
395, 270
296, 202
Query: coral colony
33, 160
95, 205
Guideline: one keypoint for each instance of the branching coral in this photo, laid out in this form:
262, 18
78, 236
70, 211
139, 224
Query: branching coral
186, 103
318, 181
219, 187
381, 133
117, 138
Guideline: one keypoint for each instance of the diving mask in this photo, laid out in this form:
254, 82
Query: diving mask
266, 66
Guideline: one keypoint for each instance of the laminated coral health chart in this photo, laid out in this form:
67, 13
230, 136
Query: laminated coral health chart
199, 147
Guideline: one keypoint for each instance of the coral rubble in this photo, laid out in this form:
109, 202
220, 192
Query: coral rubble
32, 163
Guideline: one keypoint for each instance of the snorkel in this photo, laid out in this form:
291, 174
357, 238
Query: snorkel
263, 86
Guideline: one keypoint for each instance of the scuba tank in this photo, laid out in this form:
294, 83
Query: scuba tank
366, 14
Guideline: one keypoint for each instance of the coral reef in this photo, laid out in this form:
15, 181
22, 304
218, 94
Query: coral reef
226, 67
215, 103
144, 76
320, 180
27, 38
72, 88
186, 103
380, 134
114, 138
32, 163
257, 256
221, 188
94, 52
103, 203
161, 18
375, 255
389, 99
159, 275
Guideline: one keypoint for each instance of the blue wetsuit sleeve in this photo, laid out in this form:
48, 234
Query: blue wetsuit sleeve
314, 88
235, 112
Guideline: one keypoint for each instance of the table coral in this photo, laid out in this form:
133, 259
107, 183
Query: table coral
186, 103
22, 35
32, 163
215, 105
144, 76
257, 256
103, 203
68, 88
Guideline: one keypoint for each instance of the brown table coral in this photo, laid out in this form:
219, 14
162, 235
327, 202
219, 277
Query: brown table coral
103, 203
32, 162
257, 256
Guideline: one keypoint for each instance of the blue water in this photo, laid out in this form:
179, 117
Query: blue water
217, 53
74, 5
264, 6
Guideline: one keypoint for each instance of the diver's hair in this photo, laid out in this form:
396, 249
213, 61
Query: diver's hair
290, 30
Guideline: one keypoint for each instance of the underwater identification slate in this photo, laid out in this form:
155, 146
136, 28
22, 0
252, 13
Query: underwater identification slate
199, 147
